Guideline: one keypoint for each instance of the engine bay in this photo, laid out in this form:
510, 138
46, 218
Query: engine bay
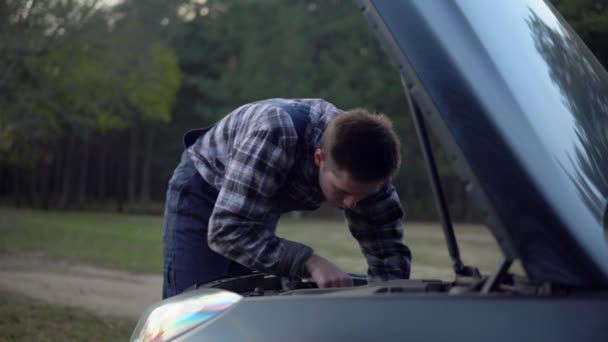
261, 284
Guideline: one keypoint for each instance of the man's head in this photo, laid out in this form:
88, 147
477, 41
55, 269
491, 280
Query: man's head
359, 152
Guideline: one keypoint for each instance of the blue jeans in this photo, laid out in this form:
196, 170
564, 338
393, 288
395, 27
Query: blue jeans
188, 260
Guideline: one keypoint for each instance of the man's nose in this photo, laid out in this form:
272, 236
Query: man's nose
350, 202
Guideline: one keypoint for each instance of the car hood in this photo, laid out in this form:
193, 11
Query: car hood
520, 105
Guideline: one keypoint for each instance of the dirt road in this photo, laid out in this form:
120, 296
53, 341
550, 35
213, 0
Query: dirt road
106, 292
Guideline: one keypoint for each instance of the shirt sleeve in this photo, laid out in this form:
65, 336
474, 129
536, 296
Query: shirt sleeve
376, 224
260, 160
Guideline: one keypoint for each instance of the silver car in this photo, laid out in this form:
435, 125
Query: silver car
521, 107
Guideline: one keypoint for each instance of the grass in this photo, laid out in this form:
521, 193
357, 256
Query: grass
133, 242
25, 319
126, 242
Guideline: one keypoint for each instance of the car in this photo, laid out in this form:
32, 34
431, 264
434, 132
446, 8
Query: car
520, 106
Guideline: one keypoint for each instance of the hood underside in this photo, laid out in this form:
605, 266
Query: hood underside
519, 103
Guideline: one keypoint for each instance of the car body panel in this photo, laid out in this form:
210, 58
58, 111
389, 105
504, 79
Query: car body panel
408, 318
515, 94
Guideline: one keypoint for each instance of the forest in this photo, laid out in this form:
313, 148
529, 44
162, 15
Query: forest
95, 95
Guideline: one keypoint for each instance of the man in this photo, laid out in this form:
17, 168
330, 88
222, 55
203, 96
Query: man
269, 157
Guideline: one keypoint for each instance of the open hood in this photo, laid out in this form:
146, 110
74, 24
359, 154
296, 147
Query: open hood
521, 107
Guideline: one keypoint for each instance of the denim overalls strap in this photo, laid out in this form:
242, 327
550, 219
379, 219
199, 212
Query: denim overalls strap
298, 112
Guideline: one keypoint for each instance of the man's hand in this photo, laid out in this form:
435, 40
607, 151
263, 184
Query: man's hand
326, 274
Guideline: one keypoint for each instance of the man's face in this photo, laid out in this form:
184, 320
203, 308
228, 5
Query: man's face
339, 188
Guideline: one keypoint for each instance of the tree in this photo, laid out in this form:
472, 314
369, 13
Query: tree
75, 73
31, 32
589, 18
243, 51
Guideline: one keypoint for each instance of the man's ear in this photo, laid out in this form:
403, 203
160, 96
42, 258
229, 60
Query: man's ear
319, 157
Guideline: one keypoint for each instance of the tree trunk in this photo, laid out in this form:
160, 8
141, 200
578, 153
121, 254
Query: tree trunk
67, 172
16, 188
146, 166
120, 185
83, 177
57, 177
132, 164
45, 183
4, 185
34, 171
101, 176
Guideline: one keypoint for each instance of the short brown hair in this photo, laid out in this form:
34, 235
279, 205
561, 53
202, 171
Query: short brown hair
363, 144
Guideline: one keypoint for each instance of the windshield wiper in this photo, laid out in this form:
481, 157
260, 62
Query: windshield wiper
444, 215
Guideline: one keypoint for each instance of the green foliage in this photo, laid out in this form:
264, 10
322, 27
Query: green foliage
32, 33
590, 20
154, 86
82, 75
244, 51
77, 71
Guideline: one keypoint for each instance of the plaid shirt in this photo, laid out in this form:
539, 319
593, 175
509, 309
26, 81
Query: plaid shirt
260, 168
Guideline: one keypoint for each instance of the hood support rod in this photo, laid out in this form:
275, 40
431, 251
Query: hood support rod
444, 215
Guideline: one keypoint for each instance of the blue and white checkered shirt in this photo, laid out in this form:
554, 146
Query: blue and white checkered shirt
254, 158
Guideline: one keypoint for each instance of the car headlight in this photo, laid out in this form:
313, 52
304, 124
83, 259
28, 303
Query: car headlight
175, 316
